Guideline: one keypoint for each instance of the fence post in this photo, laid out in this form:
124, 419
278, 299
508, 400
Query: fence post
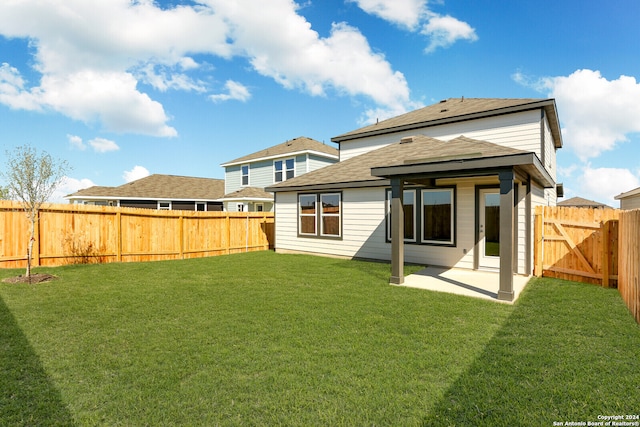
36, 243
228, 223
539, 241
119, 236
181, 235
604, 233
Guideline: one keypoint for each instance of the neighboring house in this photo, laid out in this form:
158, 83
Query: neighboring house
459, 180
247, 176
169, 192
630, 199
579, 202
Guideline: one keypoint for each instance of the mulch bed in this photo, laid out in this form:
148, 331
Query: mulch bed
35, 278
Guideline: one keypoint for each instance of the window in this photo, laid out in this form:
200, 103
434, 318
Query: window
320, 215
245, 174
201, 207
259, 207
284, 169
429, 216
308, 214
164, 206
409, 203
437, 216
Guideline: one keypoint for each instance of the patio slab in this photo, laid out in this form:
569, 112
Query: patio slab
473, 283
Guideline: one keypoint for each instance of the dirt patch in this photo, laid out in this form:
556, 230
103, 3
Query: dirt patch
35, 278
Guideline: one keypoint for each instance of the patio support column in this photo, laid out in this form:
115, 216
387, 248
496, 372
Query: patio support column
397, 231
505, 292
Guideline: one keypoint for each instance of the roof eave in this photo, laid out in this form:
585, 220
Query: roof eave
547, 104
527, 161
279, 156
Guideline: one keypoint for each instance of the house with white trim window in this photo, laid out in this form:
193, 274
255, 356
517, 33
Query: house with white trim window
246, 177
454, 184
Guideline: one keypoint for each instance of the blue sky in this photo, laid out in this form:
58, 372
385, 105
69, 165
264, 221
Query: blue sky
122, 89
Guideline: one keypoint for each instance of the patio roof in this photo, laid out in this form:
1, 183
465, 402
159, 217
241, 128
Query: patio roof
416, 155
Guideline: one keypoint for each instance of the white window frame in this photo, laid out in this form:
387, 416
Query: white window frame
203, 204
259, 207
284, 169
242, 175
164, 206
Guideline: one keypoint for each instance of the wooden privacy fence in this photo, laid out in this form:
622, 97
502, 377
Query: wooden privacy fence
600, 246
629, 266
579, 244
75, 233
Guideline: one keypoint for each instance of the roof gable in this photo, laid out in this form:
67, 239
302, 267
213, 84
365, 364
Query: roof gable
158, 186
455, 110
297, 145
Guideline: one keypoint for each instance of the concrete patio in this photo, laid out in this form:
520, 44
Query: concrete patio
473, 283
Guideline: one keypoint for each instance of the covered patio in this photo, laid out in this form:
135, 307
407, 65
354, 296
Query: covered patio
467, 158
472, 283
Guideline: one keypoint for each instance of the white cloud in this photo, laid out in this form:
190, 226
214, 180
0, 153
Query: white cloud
446, 30
136, 173
296, 57
102, 145
76, 142
602, 184
442, 31
68, 186
406, 13
92, 54
235, 91
597, 114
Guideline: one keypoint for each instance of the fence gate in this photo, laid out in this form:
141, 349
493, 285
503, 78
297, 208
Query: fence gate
579, 244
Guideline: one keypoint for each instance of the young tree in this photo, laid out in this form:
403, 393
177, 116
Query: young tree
32, 177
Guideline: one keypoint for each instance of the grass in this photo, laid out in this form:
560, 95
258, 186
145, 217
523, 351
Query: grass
270, 339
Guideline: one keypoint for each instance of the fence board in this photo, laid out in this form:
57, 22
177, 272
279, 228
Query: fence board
77, 233
629, 265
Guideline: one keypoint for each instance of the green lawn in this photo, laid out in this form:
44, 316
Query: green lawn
270, 339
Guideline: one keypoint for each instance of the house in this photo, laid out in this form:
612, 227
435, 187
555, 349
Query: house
247, 176
156, 191
458, 180
630, 199
579, 202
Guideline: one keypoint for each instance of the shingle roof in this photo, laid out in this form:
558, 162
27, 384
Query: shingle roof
421, 149
249, 193
296, 145
458, 109
160, 187
580, 202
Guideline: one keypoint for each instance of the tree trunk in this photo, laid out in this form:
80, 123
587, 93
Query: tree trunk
30, 246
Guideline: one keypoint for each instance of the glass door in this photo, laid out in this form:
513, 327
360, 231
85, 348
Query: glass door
489, 229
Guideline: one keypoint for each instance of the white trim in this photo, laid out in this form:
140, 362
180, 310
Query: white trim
160, 208
282, 155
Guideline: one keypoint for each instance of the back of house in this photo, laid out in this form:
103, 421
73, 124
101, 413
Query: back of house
468, 174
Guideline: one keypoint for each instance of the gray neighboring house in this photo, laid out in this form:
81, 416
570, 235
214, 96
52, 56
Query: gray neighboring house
163, 192
246, 177
630, 199
457, 180
579, 202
